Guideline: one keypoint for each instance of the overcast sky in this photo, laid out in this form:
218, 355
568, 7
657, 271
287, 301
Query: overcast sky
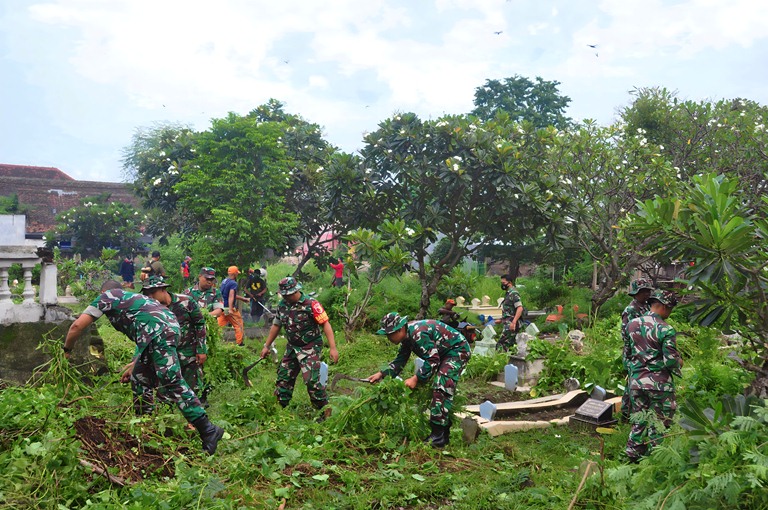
79, 76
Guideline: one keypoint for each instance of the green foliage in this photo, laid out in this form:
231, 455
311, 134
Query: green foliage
9, 204
486, 368
383, 414
716, 228
457, 283
99, 223
539, 103
720, 461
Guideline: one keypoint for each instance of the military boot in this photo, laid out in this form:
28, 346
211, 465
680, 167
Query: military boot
443, 438
209, 433
436, 435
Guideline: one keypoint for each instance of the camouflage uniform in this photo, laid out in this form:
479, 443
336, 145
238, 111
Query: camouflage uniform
156, 332
633, 310
302, 322
653, 360
508, 309
445, 352
208, 299
192, 341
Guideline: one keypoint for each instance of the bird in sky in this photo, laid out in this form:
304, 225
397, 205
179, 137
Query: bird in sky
592, 45
499, 32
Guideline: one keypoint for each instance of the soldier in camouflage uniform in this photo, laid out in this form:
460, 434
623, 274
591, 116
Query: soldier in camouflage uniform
207, 296
302, 317
191, 348
156, 332
511, 313
445, 353
653, 361
640, 290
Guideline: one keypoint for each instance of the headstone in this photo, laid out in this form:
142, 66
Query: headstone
577, 340
417, 364
475, 303
486, 301
487, 345
522, 339
488, 410
499, 302
460, 301
510, 377
532, 329
323, 373
469, 429
593, 413
572, 384
598, 393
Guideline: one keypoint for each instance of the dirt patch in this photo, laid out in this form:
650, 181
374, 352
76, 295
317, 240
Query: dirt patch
478, 394
108, 447
539, 415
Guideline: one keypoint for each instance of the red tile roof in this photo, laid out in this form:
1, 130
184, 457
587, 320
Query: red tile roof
33, 172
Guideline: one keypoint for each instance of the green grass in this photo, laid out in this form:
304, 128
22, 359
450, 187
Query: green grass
358, 458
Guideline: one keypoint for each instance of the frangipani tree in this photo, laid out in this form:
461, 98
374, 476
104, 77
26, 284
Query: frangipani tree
456, 178
601, 173
711, 224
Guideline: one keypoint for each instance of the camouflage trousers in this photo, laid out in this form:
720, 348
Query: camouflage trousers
507, 338
307, 361
625, 403
444, 387
191, 371
158, 367
647, 432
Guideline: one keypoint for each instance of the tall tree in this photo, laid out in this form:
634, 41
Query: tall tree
234, 191
453, 177
704, 137
155, 162
539, 102
600, 173
307, 155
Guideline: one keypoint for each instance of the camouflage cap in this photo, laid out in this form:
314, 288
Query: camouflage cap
391, 323
665, 297
208, 272
637, 285
153, 282
288, 286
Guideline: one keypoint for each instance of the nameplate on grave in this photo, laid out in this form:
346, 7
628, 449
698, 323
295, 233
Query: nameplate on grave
593, 413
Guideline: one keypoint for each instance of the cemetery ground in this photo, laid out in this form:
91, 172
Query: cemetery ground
68, 444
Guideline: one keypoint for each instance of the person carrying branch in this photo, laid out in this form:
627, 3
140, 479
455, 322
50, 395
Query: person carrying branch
156, 333
445, 352
303, 317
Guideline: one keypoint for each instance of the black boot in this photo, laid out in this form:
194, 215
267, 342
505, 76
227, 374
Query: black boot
436, 435
209, 433
444, 438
